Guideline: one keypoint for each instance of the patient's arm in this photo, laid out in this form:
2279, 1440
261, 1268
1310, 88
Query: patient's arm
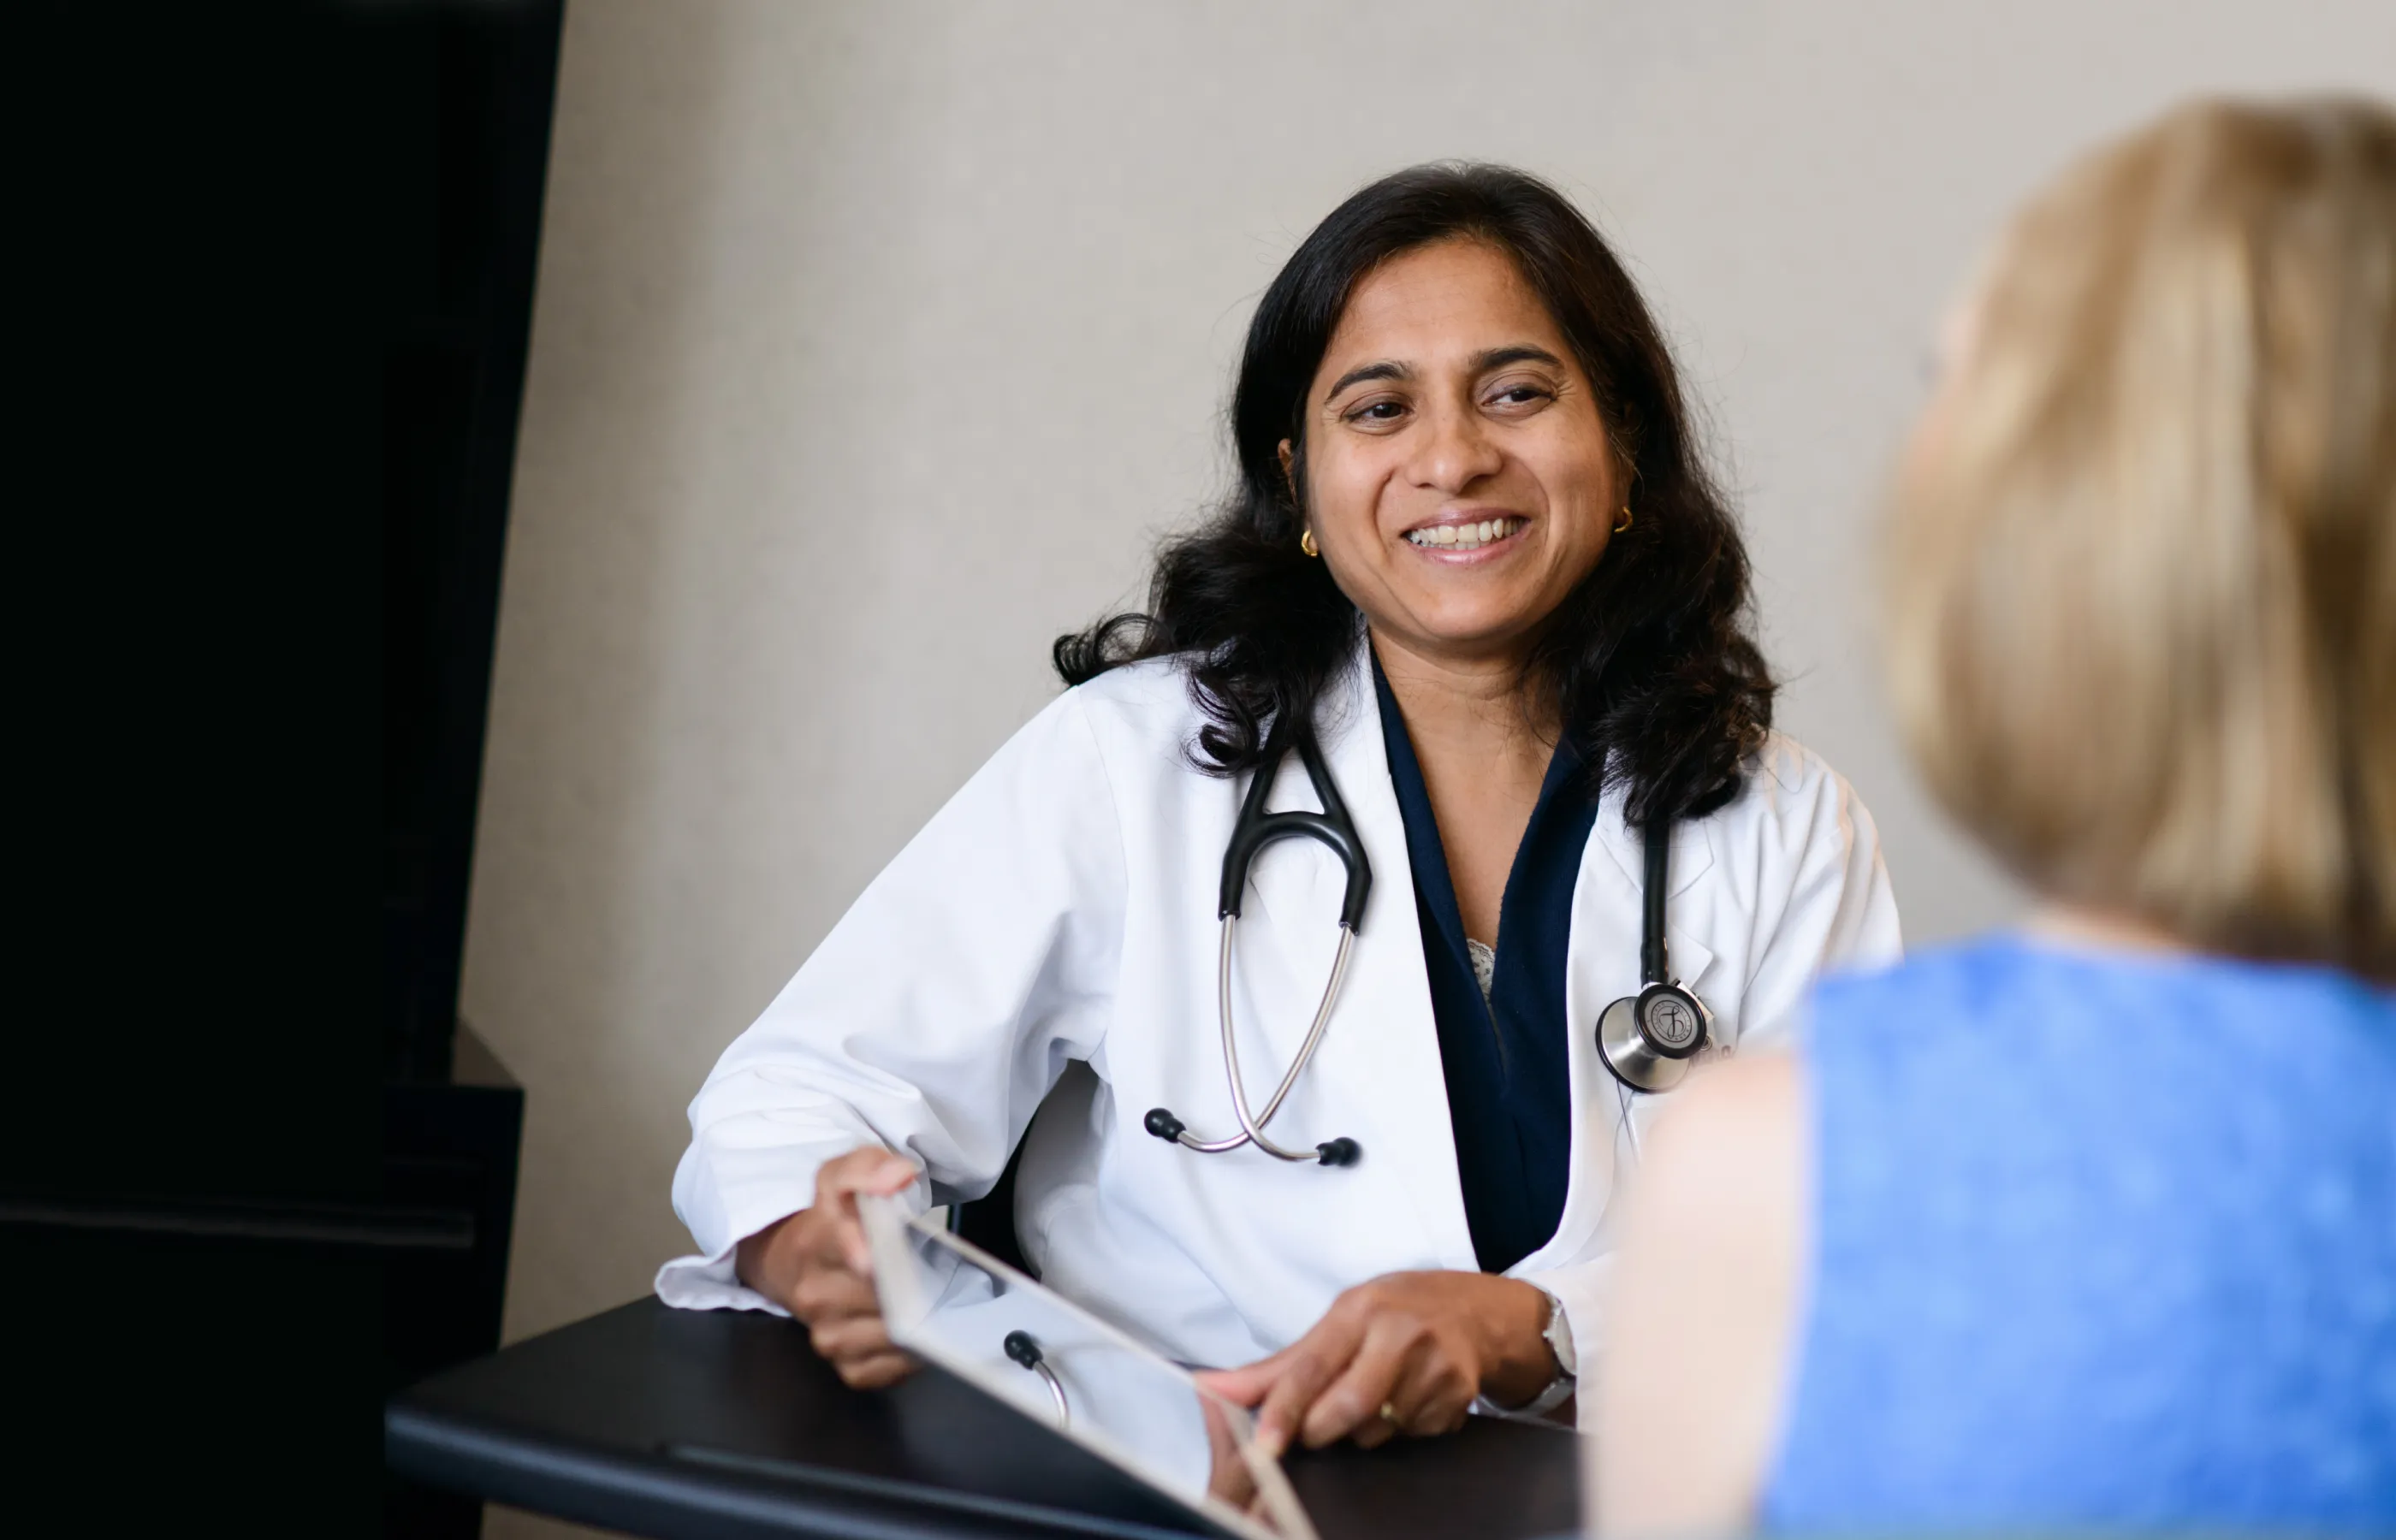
1705, 1302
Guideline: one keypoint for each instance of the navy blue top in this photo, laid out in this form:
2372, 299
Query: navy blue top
1508, 1067
2102, 1241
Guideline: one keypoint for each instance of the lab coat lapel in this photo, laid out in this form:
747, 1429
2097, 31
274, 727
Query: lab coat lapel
1692, 856
1382, 1049
1603, 967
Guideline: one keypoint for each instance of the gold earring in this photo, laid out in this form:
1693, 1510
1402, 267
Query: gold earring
1623, 522
1306, 542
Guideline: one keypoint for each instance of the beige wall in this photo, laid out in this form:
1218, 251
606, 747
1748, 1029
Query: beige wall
876, 342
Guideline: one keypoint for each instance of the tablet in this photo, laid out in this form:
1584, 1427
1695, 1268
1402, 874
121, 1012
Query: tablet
947, 1301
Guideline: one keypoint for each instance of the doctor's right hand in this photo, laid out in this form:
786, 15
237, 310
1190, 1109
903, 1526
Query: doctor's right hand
816, 1265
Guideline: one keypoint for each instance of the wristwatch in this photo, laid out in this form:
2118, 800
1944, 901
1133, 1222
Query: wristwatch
1557, 1334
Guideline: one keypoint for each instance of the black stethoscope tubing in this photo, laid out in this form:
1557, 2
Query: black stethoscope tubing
1653, 1034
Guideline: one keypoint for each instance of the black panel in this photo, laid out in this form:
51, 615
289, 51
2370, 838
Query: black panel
272, 269
469, 98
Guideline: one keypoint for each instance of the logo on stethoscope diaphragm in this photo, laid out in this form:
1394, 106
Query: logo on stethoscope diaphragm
1670, 1022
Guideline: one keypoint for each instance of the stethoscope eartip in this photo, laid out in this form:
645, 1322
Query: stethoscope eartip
1163, 1124
1020, 1347
1342, 1152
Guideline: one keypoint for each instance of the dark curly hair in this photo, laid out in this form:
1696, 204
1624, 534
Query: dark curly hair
1649, 659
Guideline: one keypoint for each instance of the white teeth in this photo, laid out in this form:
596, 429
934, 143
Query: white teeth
1465, 536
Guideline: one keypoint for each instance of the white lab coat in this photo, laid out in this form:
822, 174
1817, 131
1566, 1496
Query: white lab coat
1060, 912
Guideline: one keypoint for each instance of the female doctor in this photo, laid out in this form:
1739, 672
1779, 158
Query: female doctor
1338, 1105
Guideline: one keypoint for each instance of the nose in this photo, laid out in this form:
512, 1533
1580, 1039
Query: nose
1454, 451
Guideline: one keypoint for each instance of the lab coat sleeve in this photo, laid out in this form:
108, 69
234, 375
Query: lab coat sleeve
1581, 1289
936, 1014
1827, 904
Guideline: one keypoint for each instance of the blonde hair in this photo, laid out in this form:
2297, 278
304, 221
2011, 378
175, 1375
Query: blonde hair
2142, 562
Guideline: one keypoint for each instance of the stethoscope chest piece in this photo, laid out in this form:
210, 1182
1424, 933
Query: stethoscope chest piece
1648, 1039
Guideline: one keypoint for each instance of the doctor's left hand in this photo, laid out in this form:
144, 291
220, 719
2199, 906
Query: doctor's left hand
1419, 1344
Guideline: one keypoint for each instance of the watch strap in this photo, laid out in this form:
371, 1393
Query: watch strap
1559, 1389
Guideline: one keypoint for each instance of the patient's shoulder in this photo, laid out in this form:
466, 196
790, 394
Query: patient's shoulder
1714, 1237
1738, 1116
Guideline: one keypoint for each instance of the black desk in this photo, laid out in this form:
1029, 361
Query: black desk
725, 1426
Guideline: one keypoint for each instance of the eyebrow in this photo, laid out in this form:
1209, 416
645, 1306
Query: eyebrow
1521, 352
1383, 370
1483, 361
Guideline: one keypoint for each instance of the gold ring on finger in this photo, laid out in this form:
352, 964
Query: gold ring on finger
1389, 1414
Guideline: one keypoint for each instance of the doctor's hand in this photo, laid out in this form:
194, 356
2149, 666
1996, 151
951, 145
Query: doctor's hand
816, 1265
1419, 1344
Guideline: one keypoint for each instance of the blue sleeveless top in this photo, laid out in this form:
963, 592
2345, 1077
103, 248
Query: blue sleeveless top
2102, 1240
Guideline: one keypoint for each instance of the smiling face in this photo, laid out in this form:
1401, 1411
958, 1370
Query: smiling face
1458, 479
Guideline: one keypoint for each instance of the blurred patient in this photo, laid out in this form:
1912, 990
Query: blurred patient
2093, 1226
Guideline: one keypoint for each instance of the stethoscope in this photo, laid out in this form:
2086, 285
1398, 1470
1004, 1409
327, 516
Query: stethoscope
1645, 1040
1023, 1348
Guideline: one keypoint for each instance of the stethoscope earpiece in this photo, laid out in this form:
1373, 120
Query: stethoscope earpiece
1025, 1351
1160, 1122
